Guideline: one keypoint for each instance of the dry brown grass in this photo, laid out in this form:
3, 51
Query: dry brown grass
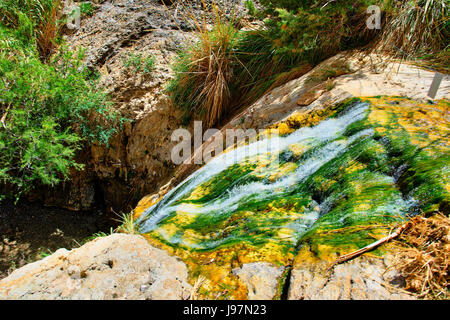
207, 70
48, 30
423, 256
416, 28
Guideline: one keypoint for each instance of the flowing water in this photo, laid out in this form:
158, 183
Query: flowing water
335, 174
310, 194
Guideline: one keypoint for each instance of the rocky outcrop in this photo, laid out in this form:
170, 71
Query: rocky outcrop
119, 266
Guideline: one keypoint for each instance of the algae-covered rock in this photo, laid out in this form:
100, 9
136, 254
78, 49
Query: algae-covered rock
119, 266
312, 193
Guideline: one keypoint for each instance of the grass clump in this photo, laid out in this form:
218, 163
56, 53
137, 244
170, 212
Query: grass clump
87, 9
205, 72
127, 224
418, 28
40, 20
251, 8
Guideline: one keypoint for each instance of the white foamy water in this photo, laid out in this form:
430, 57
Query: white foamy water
327, 134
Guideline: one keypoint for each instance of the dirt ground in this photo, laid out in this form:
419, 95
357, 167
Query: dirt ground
29, 232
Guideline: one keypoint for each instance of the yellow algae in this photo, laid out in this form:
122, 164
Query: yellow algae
285, 233
259, 229
144, 204
297, 149
184, 218
283, 170
283, 129
168, 230
199, 192
355, 167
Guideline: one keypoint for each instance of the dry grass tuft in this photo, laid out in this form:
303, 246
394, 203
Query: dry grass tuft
205, 71
48, 29
417, 28
198, 284
424, 256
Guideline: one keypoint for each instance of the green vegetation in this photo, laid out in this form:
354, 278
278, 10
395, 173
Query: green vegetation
39, 20
250, 5
49, 106
417, 28
136, 63
87, 9
227, 68
204, 73
127, 224
97, 235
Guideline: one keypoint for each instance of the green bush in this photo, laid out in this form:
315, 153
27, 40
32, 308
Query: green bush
86, 9
250, 5
137, 63
48, 112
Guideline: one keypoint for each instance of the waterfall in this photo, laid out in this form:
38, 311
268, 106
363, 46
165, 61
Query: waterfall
320, 144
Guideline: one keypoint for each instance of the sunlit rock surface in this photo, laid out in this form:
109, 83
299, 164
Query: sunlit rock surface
119, 266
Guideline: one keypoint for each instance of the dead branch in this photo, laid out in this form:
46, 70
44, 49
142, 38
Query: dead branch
2, 120
371, 246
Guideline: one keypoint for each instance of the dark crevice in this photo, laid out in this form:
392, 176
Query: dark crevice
287, 283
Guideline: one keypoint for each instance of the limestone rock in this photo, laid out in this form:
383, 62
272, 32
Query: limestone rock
363, 278
119, 266
261, 279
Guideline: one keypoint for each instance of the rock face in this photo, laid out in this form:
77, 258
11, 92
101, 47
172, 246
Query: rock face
119, 266
363, 278
261, 279
138, 159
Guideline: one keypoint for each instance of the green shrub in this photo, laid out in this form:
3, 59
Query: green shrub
48, 112
137, 63
86, 9
250, 5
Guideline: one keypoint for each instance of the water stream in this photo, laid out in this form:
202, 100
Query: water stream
272, 189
